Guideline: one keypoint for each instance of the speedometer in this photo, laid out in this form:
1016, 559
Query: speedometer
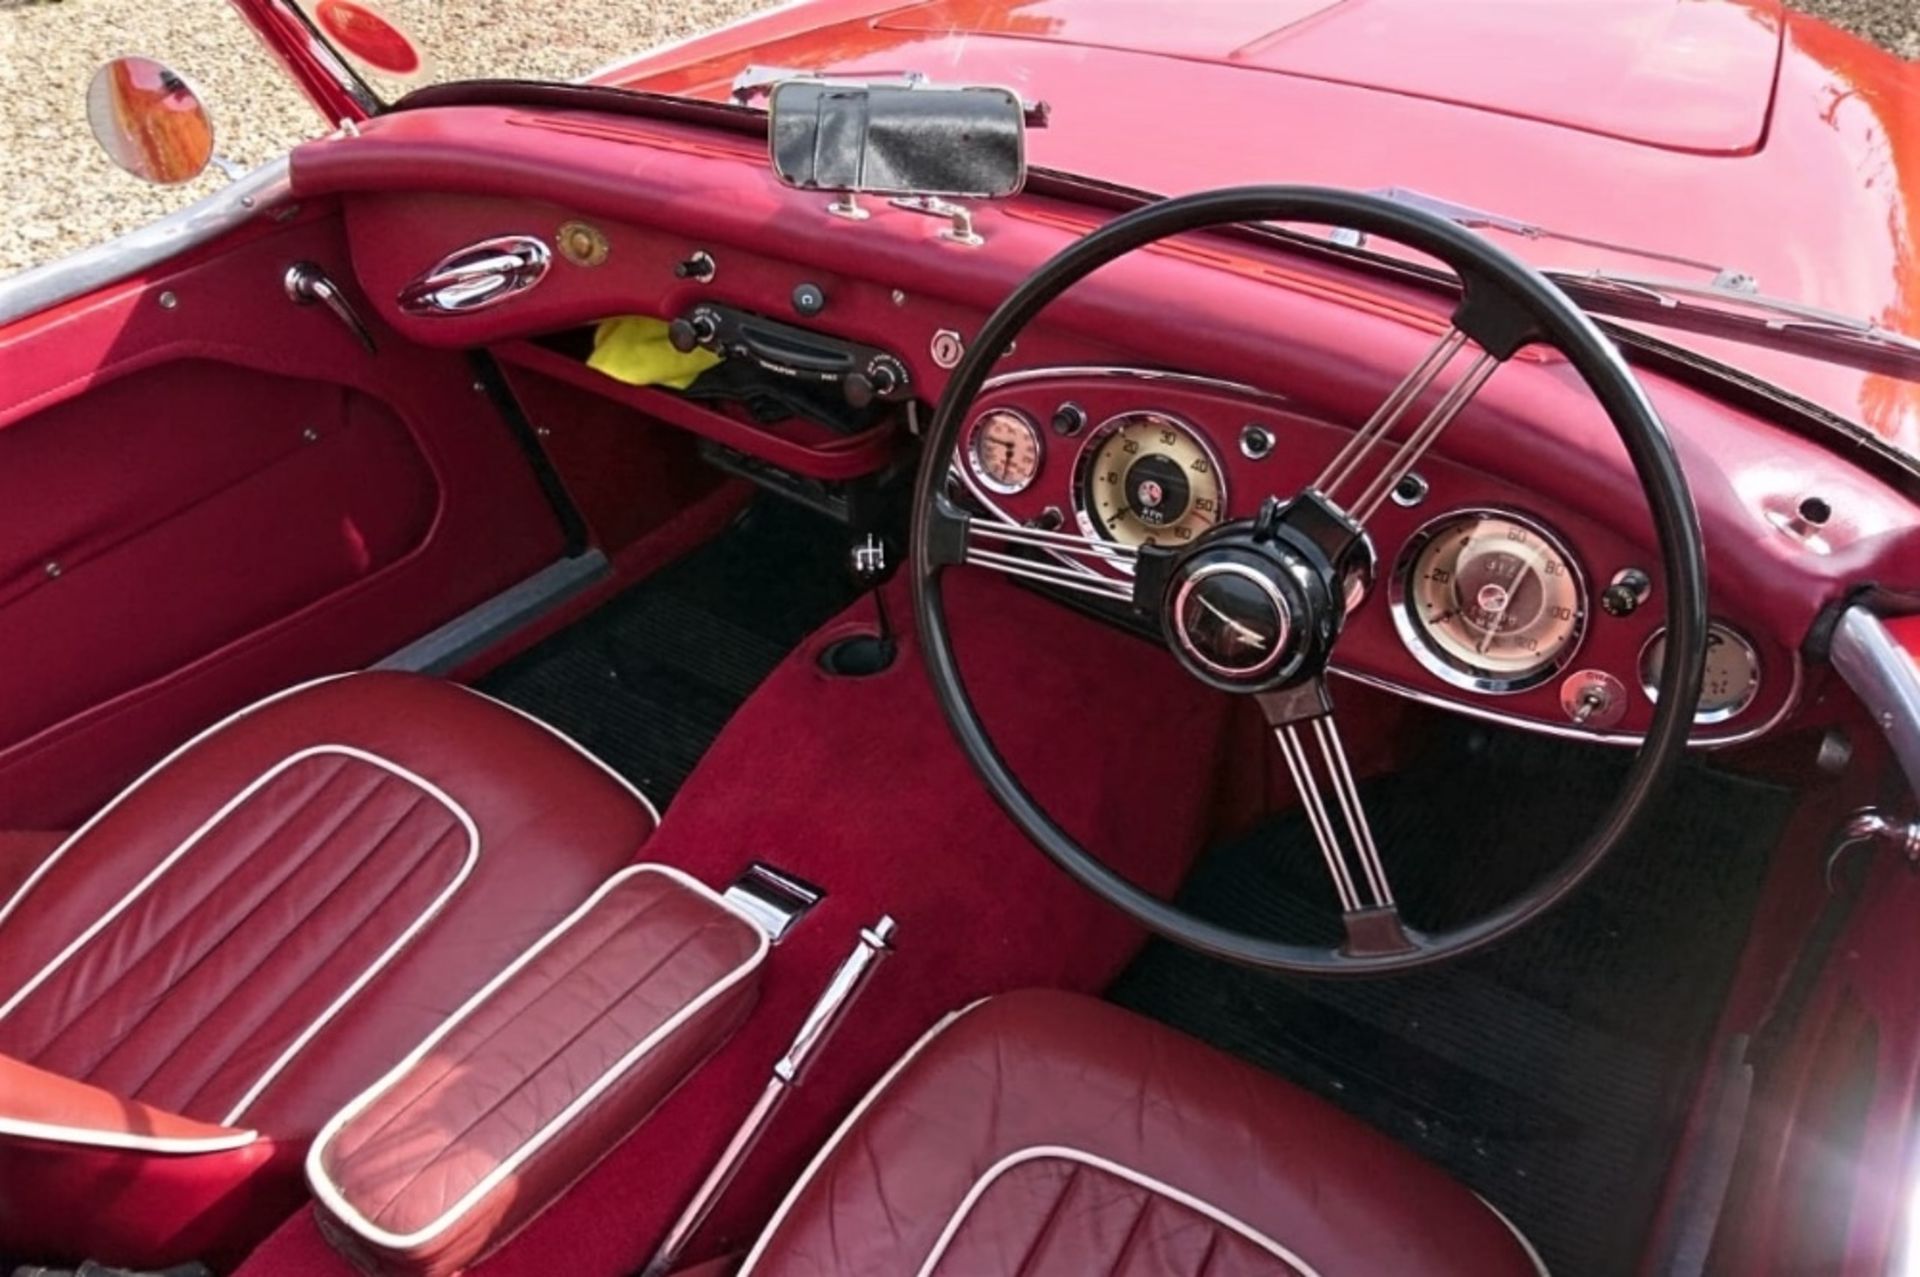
1489, 600
1145, 478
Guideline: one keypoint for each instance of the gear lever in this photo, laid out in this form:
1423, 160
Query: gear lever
871, 568
864, 654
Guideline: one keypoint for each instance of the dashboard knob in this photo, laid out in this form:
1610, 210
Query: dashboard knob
882, 378
688, 332
1069, 419
1627, 591
858, 389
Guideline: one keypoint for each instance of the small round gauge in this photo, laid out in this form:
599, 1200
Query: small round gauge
1729, 682
1489, 600
1003, 450
1145, 478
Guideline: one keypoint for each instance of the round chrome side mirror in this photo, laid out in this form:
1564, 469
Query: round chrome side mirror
149, 120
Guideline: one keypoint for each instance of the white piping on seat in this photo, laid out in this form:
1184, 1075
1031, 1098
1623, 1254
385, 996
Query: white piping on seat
572, 744
73, 838
95, 1137
1526, 1244
852, 1119
233, 804
1057, 1152
335, 1200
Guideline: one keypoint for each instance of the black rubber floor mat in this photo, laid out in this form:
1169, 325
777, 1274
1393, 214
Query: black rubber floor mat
1549, 1073
647, 682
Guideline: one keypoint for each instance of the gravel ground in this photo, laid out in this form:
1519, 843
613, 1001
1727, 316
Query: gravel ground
59, 193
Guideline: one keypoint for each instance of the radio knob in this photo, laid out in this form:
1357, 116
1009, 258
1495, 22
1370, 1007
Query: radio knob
688, 332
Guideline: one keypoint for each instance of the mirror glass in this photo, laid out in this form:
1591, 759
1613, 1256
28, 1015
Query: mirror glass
898, 141
149, 120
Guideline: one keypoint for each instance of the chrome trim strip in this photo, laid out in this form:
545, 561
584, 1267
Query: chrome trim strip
1887, 681
77, 274
335, 1200
480, 627
1568, 731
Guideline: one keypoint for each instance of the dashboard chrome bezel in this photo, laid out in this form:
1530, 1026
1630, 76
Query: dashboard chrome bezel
1706, 718
1083, 518
972, 456
1413, 634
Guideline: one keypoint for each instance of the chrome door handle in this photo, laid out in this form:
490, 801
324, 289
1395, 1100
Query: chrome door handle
478, 276
306, 284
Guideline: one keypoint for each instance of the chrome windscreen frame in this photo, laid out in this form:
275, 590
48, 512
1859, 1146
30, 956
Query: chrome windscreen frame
77, 274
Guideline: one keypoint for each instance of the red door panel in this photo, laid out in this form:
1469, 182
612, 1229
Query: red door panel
207, 499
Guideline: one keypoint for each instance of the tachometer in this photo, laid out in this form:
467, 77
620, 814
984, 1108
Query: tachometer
1003, 450
1145, 478
1489, 601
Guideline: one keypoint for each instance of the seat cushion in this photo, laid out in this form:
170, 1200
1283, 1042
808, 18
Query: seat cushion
1045, 1133
276, 913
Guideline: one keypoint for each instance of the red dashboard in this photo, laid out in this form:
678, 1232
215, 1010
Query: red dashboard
1219, 336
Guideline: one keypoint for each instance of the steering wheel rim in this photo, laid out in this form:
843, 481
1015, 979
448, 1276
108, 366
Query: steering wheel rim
1550, 317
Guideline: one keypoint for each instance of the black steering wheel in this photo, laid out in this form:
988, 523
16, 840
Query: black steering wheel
1257, 605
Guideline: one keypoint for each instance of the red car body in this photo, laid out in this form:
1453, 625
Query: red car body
1734, 132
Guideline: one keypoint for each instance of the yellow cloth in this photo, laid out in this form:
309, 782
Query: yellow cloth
634, 349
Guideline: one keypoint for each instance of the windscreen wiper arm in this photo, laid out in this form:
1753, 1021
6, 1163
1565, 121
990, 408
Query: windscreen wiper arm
1729, 304
1481, 219
1744, 314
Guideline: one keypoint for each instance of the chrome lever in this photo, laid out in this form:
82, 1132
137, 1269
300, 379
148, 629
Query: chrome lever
826, 1015
306, 284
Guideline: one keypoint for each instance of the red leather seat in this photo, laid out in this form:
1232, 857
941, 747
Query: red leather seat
198, 978
1045, 1133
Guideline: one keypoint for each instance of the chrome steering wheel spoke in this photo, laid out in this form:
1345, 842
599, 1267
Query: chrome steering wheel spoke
1058, 559
1302, 721
1345, 470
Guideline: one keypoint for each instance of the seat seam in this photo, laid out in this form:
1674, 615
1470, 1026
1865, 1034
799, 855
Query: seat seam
402, 880
93, 822
48, 1044
528, 1075
1046, 1226
1126, 1243
292, 872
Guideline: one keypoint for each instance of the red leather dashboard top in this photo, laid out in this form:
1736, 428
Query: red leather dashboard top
1328, 343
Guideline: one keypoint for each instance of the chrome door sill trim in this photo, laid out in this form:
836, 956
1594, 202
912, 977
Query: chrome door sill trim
472, 632
80, 273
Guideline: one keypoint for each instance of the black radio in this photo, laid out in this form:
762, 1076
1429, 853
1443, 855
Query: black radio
863, 374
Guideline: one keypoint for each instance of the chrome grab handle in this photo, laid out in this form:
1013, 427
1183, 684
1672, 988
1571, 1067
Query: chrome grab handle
306, 284
478, 276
